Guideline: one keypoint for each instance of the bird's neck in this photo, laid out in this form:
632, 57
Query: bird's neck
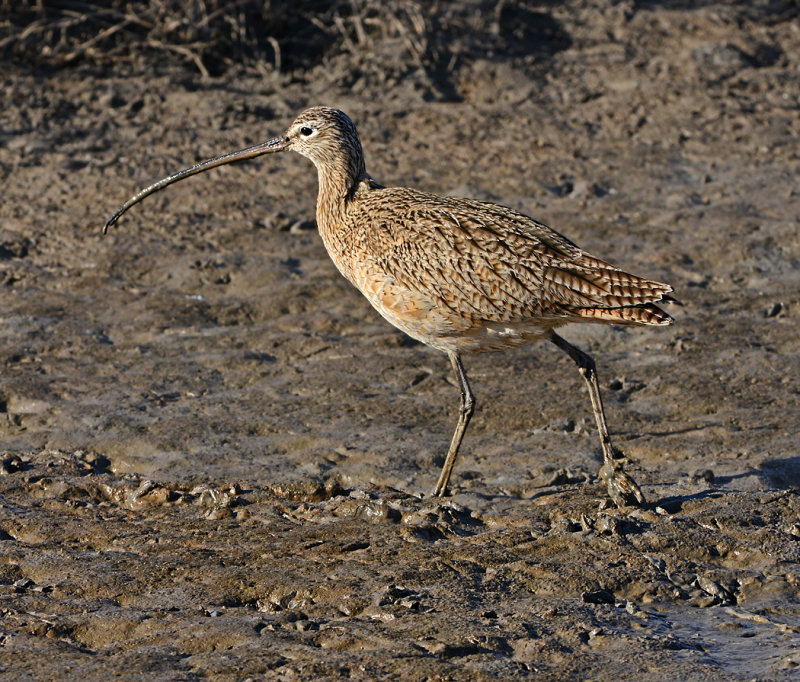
339, 174
339, 184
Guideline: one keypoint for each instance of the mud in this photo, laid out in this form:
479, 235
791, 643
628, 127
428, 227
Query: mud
216, 455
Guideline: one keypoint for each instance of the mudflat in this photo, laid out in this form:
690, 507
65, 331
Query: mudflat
216, 456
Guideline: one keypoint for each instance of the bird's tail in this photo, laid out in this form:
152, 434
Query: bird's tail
645, 313
612, 295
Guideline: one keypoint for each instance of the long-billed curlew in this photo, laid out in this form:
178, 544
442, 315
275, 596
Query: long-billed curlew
458, 275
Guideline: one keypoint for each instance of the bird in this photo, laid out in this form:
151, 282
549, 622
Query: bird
459, 275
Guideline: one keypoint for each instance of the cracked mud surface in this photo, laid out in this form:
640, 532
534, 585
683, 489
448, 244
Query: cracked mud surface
216, 455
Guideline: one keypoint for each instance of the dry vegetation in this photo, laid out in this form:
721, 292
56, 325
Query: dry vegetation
217, 35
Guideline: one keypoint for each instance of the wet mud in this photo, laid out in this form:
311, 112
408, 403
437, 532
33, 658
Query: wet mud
216, 456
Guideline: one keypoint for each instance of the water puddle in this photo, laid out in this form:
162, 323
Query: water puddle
740, 642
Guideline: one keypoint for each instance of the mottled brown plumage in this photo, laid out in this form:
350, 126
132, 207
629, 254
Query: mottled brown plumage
459, 275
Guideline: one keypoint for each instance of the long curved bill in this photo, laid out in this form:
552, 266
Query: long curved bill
277, 144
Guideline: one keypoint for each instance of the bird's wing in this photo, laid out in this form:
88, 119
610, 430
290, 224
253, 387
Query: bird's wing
486, 261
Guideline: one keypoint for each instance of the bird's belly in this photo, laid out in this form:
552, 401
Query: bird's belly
431, 321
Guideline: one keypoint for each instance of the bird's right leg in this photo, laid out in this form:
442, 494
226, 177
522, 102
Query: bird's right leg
464, 415
621, 487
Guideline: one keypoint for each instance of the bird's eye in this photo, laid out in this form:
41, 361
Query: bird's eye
305, 131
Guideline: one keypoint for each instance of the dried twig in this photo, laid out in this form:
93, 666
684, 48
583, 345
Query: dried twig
89, 44
277, 49
182, 50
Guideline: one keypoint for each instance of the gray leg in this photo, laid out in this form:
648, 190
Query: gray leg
621, 487
464, 415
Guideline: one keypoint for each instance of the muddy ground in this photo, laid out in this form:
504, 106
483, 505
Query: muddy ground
216, 454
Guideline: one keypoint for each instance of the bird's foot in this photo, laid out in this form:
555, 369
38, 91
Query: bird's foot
621, 487
439, 491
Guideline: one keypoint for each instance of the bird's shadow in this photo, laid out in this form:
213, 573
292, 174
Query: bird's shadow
777, 474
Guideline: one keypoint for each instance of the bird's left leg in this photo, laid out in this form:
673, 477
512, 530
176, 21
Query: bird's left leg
621, 487
465, 411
